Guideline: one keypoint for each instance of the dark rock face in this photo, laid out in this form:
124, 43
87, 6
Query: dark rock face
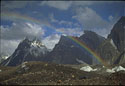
120, 59
92, 39
107, 52
118, 34
65, 52
69, 52
112, 49
27, 50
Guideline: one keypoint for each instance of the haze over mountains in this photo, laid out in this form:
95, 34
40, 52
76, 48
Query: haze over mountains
111, 49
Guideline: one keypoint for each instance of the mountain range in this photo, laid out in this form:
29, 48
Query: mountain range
110, 49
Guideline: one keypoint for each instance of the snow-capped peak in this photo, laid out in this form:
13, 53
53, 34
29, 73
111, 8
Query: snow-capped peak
37, 43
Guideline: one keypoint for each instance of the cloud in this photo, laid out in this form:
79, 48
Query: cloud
62, 22
68, 23
62, 5
70, 31
89, 18
83, 3
51, 40
110, 18
8, 46
20, 30
11, 36
65, 5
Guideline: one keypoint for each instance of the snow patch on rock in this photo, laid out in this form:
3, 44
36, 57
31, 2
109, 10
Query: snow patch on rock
36, 44
116, 69
5, 57
87, 69
0, 70
80, 61
111, 41
110, 71
23, 66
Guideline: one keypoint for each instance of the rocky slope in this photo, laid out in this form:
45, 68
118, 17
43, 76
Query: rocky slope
41, 73
107, 52
112, 49
27, 50
118, 36
68, 52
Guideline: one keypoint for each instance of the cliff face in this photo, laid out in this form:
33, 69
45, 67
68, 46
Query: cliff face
113, 48
118, 34
66, 52
107, 52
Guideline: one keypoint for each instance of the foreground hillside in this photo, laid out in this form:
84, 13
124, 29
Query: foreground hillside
41, 73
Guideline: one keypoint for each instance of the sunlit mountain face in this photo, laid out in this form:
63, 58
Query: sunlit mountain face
64, 42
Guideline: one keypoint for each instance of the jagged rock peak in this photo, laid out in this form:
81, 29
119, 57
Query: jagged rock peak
33, 42
27, 50
118, 34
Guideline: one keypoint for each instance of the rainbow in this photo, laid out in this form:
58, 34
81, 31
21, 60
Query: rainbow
83, 45
17, 16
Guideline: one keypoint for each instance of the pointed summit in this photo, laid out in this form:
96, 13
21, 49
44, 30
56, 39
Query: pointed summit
27, 50
118, 34
112, 50
69, 52
92, 39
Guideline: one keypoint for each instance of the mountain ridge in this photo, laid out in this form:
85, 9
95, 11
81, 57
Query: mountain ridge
27, 50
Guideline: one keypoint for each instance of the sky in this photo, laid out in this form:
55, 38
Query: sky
48, 20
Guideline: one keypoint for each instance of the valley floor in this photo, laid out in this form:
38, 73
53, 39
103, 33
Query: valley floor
41, 73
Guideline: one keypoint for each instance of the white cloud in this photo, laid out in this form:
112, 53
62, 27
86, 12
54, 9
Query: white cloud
11, 36
20, 30
68, 23
65, 5
103, 32
62, 22
70, 31
62, 5
83, 3
110, 18
89, 18
51, 40
8, 46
